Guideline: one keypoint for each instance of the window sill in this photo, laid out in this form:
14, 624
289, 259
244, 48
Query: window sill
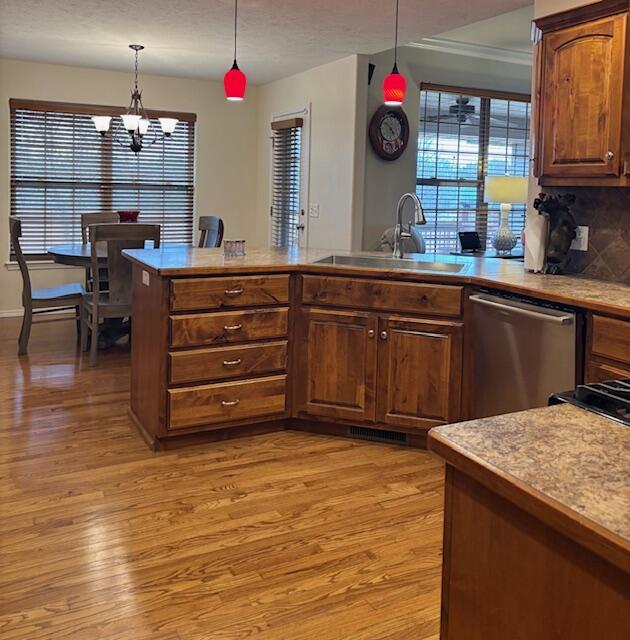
37, 265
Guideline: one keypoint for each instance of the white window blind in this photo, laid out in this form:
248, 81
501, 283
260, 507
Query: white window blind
463, 138
62, 167
286, 182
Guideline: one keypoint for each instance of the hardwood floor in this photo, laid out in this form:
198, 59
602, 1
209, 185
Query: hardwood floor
275, 537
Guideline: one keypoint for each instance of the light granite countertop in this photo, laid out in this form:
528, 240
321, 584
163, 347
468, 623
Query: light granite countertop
507, 275
572, 461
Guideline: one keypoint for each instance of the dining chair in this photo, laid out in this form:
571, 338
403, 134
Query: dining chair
95, 218
211, 228
116, 301
40, 301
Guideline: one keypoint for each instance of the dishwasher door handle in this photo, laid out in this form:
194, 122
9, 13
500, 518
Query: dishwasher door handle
509, 308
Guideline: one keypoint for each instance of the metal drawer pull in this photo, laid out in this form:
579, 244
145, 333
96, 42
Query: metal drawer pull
232, 327
232, 363
229, 403
234, 292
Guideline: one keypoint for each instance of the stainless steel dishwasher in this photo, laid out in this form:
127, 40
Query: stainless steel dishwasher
523, 352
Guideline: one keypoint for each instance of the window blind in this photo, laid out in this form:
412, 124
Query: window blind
62, 167
464, 137
286, 182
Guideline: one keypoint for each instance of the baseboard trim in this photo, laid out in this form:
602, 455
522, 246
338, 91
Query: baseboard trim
12, 313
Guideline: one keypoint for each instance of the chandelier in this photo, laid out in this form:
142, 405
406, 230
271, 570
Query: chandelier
140, 130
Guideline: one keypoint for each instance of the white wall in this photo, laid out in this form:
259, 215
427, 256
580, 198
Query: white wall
226, 171
335, 95
386, 181
548, 7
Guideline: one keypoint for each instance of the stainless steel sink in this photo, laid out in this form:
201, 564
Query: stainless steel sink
409, 264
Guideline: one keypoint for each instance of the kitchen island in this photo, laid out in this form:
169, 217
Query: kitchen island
537, 526
277, 339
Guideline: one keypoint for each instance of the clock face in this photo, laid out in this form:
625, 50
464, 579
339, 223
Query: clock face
389, 132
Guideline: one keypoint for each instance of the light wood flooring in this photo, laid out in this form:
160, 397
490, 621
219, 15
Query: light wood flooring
288, 536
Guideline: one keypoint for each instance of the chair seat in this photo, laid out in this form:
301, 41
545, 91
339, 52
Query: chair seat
70, 290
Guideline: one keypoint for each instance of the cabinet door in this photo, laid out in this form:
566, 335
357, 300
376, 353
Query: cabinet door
338, 362
583, 71
419, 372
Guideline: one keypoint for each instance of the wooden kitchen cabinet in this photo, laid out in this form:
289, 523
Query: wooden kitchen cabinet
338, 364
419, 372
583, 92
608, 349
395, 372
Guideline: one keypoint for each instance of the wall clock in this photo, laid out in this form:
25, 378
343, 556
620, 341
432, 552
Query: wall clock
389, 132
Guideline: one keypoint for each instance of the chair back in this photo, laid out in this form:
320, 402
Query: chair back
211, 228
118, 237
95, 218
15, 233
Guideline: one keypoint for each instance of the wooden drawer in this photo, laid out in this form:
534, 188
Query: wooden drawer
611, 339
422, 299
216, 293
226, 402
230, 326
600, 371
227, 362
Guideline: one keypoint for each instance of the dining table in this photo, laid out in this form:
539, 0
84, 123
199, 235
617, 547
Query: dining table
80, 255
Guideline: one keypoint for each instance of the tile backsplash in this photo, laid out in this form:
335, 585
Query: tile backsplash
606, 212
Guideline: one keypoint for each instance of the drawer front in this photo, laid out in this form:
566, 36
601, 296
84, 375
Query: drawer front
230, 326
227, 362
216, 293
423, 299
611, 339
226, 402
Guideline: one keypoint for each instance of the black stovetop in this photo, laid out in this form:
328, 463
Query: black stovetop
610, 399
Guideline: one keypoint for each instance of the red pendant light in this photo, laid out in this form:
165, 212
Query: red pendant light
235, 81
394, 85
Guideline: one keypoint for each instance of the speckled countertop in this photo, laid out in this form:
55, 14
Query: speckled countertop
572, 460
507, 275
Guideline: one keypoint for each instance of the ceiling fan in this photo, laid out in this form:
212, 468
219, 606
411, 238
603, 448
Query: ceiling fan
462, 112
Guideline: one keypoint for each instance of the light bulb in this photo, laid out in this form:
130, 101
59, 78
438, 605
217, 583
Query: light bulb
168, 125
101, 123
130, 121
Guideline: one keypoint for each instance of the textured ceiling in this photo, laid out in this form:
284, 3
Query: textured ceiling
193, 38
508, 31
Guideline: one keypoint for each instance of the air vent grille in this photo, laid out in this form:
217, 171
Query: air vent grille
378, 435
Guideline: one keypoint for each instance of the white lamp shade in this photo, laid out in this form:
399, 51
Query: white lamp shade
506, 189
101, 123
130, 121
168, 125
143, 126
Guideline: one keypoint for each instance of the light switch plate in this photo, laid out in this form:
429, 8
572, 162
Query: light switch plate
580, 243
313, 211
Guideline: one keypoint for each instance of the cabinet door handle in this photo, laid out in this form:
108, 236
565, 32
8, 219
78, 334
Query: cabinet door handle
229, 403
610, 155
234, 292
383, 335
232, 327
231, 363
371, 333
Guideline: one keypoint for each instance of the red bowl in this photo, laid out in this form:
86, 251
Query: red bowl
128, 216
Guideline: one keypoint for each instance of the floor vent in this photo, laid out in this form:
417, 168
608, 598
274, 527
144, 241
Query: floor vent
378, 435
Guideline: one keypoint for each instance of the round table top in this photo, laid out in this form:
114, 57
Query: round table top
77, 255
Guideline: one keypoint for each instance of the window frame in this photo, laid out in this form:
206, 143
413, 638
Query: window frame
106, 147
485, 97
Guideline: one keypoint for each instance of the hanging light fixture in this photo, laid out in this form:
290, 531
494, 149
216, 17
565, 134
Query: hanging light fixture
394, 85
135, 120
235, 81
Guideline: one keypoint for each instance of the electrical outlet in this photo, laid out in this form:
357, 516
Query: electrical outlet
580, 243
313, 211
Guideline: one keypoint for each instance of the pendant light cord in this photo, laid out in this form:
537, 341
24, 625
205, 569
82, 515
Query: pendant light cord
235, 26
396, 39
136, 71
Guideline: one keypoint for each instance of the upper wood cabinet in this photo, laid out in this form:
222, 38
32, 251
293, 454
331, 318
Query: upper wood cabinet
583, 93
